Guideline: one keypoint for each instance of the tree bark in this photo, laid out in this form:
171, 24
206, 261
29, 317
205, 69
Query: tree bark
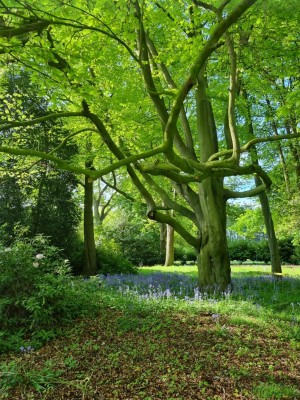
213, 257
263, 198
90, 262
163, 240
96, 206
169, 260
272, 240
295, 151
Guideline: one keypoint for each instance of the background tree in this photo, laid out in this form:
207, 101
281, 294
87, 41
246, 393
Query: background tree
12, 207
36, 195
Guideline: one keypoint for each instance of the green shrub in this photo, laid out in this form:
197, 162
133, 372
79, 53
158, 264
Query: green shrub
142, 246
137, 240
37, 290
296, 256
184, 254
75, 255
262, 251
287, 251
242, 250
110, 259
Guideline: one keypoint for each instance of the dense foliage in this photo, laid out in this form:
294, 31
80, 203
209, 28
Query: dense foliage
35, 197
243, 250
38, 293
109, 257
137, 239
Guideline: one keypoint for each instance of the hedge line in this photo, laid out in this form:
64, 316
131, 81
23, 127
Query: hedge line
242, 250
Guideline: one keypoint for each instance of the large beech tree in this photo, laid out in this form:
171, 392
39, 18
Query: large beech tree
156, 82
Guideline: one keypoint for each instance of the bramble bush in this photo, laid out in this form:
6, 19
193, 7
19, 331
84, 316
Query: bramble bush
37, 290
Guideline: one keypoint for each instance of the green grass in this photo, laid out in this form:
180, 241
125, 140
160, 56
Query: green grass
276, 301
267, 391
183, 269
236, 270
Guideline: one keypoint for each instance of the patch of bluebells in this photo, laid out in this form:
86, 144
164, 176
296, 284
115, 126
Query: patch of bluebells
183, 286
156, 285
160, 286
27, 349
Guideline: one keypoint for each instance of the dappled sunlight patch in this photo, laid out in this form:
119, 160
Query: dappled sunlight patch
272, 390
177, 269
246, 320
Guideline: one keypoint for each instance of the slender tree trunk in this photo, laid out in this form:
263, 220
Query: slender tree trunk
96, 205
264, 201
272, 240
169, 260
280, 151
295, 150
284, 170
163, 241
36, 209
90, 263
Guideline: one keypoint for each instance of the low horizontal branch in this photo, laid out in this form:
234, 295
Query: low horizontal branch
230, 194
61, 164
274, 138
9, 32
34, 121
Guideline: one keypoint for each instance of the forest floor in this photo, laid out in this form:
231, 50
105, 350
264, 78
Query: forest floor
143, 353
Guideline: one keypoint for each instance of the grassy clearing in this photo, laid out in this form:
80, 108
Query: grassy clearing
236, 270
155, 337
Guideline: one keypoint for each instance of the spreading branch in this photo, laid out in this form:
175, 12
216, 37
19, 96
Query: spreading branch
210, 45
172, 204
247, 147
230, 194
169, 220
62, 164
34, 121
